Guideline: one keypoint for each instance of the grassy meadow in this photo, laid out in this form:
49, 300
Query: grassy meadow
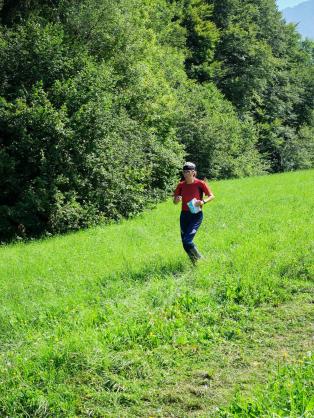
115, 322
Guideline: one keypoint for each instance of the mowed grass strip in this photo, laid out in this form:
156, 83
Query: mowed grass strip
289, 393
113, 321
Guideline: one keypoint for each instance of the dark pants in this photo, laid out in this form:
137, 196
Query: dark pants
189, 223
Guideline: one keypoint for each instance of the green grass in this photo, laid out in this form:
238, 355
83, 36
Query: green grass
113, 321
290, 393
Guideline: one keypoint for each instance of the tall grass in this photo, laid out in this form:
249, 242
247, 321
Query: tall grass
103, 321
290, 393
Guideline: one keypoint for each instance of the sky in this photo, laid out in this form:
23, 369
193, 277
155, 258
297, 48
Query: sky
282, 4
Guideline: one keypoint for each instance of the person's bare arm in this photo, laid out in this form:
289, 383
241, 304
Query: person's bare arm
208, 198
205, 200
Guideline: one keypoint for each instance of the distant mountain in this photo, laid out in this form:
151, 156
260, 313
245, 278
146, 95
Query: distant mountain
303, 15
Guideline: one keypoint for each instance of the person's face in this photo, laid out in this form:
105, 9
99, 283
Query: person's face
188, 174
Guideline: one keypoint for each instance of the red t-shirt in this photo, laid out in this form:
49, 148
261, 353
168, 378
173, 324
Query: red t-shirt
191, 191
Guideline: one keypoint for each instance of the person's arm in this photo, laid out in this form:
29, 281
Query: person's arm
177, 195
208, 198
204, 200
209, 195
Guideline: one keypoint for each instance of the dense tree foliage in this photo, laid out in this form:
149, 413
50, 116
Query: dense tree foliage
101, 100
262, 67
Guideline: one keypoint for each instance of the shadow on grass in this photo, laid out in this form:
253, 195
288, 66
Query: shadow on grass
147, 272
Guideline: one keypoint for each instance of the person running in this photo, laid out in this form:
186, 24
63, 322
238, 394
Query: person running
191, 192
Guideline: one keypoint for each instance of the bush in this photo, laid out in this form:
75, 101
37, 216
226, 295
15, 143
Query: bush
79, 144
298, 151
220, 144
70, 169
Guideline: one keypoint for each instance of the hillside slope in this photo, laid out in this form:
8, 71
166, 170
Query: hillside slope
113, 321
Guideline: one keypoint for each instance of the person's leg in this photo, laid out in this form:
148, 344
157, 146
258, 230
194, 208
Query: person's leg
189, 225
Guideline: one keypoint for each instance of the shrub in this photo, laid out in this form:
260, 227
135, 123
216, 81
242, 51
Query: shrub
220, 144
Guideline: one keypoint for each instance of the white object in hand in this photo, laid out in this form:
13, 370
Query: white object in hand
192, 207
